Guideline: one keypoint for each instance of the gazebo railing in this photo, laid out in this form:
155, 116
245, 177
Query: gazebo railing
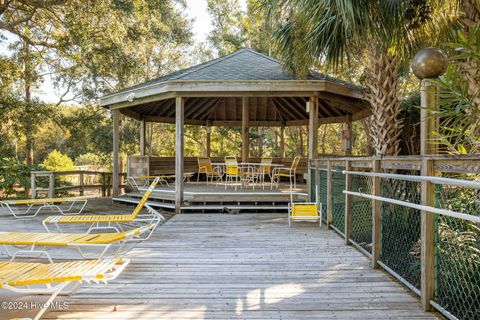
422, 229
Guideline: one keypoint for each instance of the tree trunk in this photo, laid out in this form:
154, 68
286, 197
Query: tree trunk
385, 125
471, 72
29, 134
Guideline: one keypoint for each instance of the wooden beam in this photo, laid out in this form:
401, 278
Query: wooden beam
207, 109
179, 141
427, 237
172, 120
209, 133
313, 128
296, 110
312, 137
428, 121
348, 204
245, 129
116, 149
376, 216
131, 114
428, 125
329, 194
143, 135
347, 136
282, 141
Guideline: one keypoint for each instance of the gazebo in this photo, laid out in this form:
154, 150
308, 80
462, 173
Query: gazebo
244, 89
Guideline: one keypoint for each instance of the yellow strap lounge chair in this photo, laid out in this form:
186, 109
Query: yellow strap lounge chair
99, 242
133, 181
52, 278
29, 208
113, 221
304, 211
290, 173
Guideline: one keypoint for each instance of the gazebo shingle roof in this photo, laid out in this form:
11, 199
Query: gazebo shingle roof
244, 64
248, 69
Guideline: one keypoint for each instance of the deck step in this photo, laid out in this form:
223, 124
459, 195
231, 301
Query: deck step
216, 207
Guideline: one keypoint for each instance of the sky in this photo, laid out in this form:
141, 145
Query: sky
197, 10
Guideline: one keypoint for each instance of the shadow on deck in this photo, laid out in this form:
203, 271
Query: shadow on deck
248, 266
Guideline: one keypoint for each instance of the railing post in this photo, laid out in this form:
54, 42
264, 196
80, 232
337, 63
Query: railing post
51, 185
348, 204
104, 185
317, 183
81, 183
329, 194
376, 216
33, 185
428, 237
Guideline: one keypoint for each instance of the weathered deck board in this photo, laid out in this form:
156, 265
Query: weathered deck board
250, 266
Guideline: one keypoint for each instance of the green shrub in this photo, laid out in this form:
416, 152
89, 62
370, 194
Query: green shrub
13, 173
56, 161
96, 161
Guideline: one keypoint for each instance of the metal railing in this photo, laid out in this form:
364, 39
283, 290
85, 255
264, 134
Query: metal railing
417, 218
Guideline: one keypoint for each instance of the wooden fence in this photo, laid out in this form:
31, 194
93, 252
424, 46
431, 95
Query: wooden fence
71, 181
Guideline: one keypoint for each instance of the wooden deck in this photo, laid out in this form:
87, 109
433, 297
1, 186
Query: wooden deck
249, 266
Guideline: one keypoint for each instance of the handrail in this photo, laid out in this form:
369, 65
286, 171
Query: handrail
104, 184
431, 168
431, 179
442, 212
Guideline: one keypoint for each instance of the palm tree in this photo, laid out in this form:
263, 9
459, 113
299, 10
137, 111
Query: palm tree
387, 31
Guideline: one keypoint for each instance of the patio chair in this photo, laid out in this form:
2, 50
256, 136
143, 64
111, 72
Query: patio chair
264, 170
205, 166
100, 243
29, 208
290, 173
112, 221
29, 278
234, 173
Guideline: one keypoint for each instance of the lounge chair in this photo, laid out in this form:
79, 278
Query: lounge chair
304, 211
99, 242
29, 208
112, 221
30, 278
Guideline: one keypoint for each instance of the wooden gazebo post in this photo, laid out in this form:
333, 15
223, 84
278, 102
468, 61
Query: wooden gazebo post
282, 141
245, 129
143, 134
209, 133
179, 140
347, 136
116, 149
312, 137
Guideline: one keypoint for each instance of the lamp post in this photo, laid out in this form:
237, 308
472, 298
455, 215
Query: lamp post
427, 65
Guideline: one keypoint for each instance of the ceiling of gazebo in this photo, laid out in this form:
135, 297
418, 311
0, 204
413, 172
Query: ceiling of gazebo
263, 111
213, 94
